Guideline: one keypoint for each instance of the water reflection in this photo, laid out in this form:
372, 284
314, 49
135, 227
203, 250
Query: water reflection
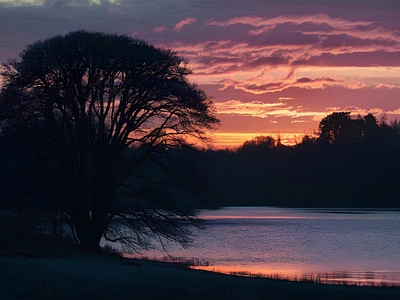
339, 277
208, 217
329, 246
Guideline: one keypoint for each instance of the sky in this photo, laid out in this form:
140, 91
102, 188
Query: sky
272, 67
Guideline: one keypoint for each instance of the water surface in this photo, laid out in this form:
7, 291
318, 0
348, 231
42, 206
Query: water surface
334, 245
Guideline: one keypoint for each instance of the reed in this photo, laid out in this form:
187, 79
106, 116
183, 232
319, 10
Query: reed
316, 278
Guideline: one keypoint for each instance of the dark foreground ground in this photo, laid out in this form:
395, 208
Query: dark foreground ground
74, 275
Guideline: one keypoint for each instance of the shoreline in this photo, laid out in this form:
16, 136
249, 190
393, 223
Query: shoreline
80, 275
367, 278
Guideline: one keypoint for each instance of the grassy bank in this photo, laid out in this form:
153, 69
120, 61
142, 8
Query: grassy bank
75, 275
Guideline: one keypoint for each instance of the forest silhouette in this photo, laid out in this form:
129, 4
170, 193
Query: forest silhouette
351, 162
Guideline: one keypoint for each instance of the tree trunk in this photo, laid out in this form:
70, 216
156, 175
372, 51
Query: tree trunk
92, 193
89, 226
90, 243
89, 234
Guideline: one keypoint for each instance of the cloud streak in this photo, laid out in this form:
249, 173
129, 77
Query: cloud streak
259, 109
254, 108
304, 82
264, 25
184, 23
159, 29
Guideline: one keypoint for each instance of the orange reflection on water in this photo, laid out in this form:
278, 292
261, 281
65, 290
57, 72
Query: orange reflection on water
379, 278
218, 217
289, 274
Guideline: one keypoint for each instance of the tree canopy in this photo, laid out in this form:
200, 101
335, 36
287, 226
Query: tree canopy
340, 127
100, 107
260, 143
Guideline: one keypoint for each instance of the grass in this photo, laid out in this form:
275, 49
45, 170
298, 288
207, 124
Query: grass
316, 279
184, 289
76, 277
311, 278
38, 288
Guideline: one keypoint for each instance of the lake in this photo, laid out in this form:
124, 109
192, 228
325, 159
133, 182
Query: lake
330, 245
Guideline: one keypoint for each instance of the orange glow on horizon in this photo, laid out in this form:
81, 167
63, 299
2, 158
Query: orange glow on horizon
231, 140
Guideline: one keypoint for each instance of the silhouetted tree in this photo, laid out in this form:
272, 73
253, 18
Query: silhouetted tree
371, 128
336, 127
259, 143
391, 129
339, 127
308, 140
101, 108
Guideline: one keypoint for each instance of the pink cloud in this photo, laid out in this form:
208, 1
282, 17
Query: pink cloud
300, 121
254, 108
228, 57
367, 34
288, 56
361, 43
259, 86
355, 111
373, 58
260, 109
183, 23
387, 86
266, 24
332, 109
394, 112
159, 29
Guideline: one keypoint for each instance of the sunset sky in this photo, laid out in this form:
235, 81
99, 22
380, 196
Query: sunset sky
271, 66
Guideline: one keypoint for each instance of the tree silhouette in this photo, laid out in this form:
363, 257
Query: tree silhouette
339, 127
102, 107
371, 128
259, 143
335, 127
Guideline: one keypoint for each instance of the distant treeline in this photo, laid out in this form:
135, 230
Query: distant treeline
354, 162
